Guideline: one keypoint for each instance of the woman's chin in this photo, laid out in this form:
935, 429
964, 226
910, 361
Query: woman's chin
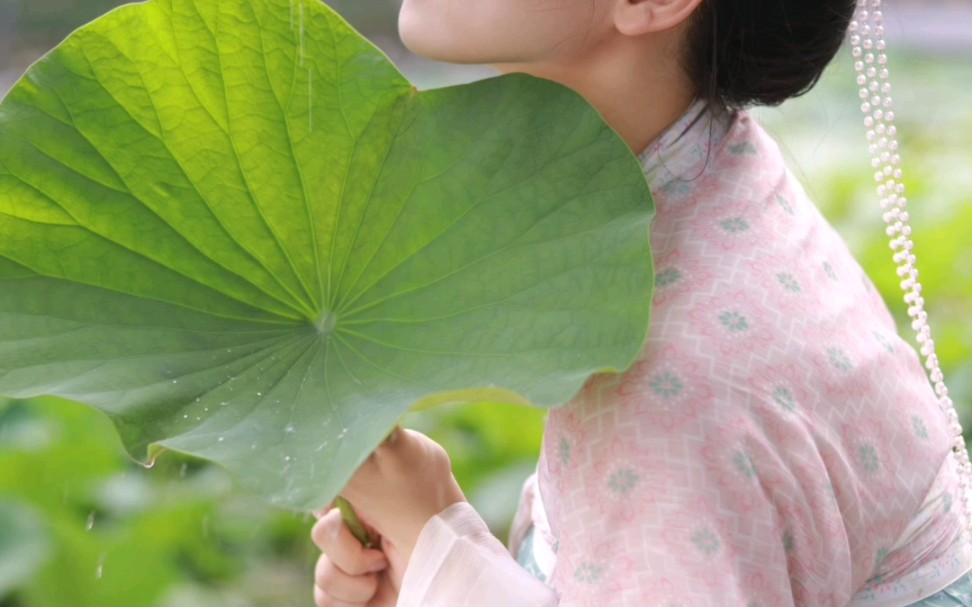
429, 48
435, 44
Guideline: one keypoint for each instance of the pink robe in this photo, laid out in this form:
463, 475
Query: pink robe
776, 444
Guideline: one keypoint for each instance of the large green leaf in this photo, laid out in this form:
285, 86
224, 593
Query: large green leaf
236, 229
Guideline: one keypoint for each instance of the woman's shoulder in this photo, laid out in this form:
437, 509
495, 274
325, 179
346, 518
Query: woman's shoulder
758, 293
738, 223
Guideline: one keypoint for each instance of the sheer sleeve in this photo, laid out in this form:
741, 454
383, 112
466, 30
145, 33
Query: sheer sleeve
457, 561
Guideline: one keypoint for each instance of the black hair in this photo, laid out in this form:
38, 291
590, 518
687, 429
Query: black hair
762, 52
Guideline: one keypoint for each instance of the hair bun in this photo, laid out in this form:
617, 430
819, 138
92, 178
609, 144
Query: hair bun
763, 52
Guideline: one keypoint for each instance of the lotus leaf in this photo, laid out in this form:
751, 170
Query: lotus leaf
235, 228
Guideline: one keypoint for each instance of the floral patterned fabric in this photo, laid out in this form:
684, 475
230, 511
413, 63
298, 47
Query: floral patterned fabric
958, 594
776, 444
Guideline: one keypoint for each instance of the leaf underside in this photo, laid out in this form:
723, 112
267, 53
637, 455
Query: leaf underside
240, 232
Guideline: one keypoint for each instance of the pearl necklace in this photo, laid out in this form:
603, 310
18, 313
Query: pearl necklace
871, 64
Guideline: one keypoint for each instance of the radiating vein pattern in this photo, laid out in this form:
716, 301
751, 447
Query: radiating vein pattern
236, 229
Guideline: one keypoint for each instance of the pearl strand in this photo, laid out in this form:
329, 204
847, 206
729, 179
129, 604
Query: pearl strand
871, 64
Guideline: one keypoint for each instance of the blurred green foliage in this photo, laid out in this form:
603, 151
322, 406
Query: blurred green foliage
106, 532
82, 526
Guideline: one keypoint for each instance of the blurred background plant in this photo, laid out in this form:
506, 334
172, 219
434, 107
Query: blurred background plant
82, 526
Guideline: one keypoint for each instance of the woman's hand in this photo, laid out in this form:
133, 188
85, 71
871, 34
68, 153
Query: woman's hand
347, 574
402, 485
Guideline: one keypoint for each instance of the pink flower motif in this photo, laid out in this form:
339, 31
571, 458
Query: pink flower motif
739, 153
780, 391
731, 232
694, 538
743, 479
734, 323
588, 574
836, 368
783, 283
628, 478
866, 442
781, 403
664, 390
730, 225
564, 432
677, 276
564, 451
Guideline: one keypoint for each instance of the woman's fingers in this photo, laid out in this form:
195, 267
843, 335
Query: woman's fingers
346, 574
321, 599
340, 587
334, 538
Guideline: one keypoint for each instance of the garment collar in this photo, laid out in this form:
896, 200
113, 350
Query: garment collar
682, 151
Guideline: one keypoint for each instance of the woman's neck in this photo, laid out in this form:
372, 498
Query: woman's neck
637, 84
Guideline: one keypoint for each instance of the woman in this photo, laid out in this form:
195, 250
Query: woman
776, 444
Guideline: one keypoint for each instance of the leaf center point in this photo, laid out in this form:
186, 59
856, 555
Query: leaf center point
326, 323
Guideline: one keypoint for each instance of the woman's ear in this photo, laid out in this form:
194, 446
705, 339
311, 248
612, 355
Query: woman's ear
637, 17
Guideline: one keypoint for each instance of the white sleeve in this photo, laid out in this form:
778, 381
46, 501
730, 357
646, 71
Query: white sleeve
457, 561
